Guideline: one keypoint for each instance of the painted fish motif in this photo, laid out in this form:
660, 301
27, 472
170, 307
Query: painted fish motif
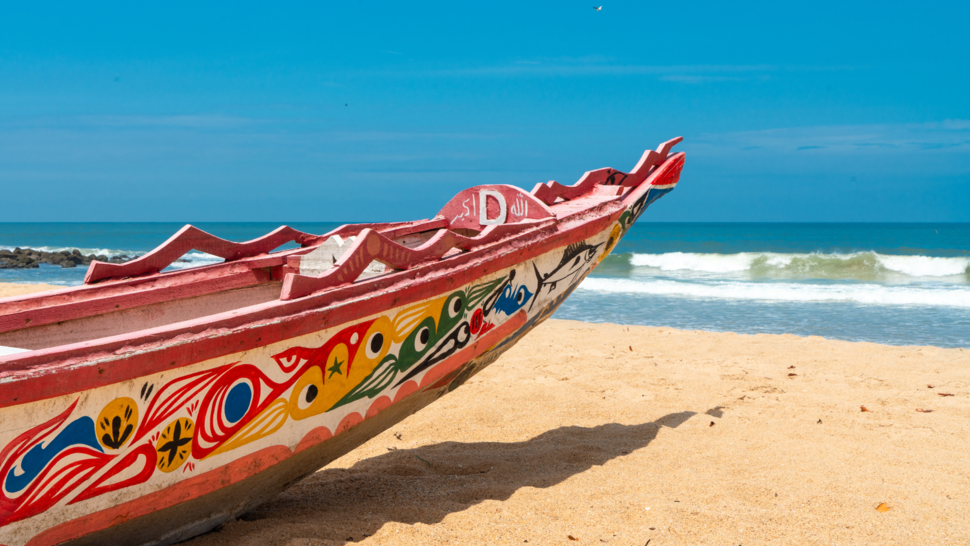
574, 261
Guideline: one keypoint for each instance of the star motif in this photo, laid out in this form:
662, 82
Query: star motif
335, 369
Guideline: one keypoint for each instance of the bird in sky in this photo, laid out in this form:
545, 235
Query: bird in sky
598, 8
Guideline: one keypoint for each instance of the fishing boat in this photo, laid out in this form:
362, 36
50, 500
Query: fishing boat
149, 406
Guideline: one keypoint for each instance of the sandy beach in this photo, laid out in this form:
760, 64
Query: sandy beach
10, 289
610, 434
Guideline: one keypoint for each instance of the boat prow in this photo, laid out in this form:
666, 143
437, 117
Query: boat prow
148, 406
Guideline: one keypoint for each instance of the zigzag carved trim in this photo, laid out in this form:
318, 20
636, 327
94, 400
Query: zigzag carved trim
371, 245
552, 190
192, 238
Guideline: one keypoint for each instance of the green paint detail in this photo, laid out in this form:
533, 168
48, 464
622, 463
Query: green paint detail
335, 369
479, 292
413, 349
624, 218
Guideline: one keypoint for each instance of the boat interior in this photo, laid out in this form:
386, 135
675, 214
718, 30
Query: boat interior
119, 299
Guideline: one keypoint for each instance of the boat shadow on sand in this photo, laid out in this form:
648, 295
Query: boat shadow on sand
425, 484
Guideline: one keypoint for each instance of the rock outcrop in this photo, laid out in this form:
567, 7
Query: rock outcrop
28, 258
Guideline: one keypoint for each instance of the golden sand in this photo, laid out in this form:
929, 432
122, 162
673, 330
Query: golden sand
622, 435
626, 434
10, 289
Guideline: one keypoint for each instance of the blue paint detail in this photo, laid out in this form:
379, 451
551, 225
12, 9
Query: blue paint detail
238, 401
653, 195
509, 303
80, 432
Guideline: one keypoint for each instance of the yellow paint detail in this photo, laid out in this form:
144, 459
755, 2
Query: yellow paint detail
174, 445
267, 422
117, 423
408, 319
610, 243
305, 399
318, 389
366, 360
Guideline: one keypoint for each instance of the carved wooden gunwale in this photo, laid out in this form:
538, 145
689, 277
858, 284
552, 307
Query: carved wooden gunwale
74, 368
471, 269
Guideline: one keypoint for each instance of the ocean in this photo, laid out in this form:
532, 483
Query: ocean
898, 284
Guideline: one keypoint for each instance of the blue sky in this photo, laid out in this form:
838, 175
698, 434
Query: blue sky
364, 110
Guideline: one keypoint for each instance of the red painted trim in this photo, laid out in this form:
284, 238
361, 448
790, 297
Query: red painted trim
107, 296
192, 238
371, 245
129, 300
551, 191
82, 366
78, 367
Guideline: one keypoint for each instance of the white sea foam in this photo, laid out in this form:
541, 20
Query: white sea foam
858, 265
875, 294
196, 259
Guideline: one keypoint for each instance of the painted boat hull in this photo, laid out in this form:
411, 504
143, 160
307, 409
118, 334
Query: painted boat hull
159, 457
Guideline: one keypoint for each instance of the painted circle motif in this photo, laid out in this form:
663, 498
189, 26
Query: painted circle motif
117, 422
375, 344
455, 306
308, 396
237, 401
175, 444
422, 338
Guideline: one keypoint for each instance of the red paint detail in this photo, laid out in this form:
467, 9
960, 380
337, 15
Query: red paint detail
671, 174
486, 327
145, 452
212, 430
453, 362
548, 193
477, 319
180, 492
379, 405
10, 508
313, 438
172, 397
347, 422
406, 390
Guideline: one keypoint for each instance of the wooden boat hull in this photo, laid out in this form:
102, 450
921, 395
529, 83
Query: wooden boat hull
155, 458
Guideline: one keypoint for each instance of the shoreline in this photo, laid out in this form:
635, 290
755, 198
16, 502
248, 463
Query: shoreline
9, 289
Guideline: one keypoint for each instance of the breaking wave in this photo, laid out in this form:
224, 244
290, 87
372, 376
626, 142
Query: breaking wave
874, 294
858, 265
